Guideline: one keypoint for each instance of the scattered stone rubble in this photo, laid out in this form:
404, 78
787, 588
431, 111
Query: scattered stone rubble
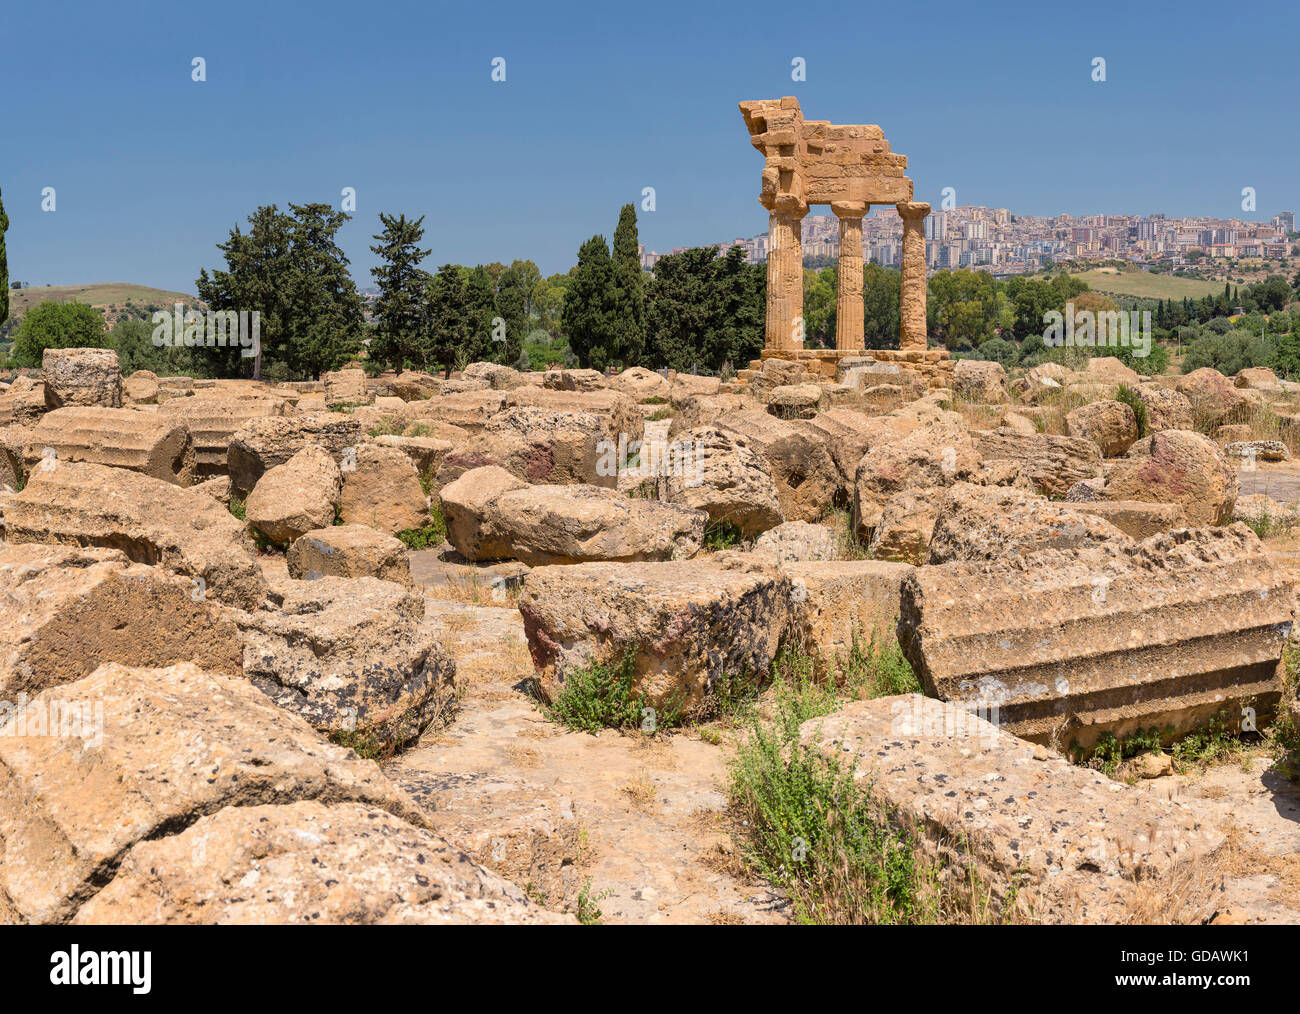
222, 569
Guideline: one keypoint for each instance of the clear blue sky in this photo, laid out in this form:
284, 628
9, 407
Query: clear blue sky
396, 99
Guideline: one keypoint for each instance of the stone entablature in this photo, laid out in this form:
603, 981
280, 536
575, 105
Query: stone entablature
849, 167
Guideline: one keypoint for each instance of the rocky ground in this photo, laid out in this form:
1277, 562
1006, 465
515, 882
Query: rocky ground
505, 647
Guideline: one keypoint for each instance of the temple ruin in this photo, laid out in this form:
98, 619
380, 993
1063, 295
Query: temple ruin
849, 167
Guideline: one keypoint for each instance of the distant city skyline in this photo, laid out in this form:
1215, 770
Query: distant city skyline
1005, 242
149, 168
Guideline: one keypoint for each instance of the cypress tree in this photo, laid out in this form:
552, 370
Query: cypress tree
588, 317
4, 265
629, 291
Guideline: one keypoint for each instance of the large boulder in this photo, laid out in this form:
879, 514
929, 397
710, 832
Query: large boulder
22, 403
623, 416
264, 442
1214, 399
807, 481
993, 809
574, 380
906, 524
67, 610
848, 435
307, 864
468, 411
426, 453
542, 525
938, 455
708, 409
143, 442
1167, 409
1135, 519
170, 746
290, 500
797, 542
150, 520
1160, 634
467, 505
1181, 467
641, 384
1053, 463
349, 551
686, 628
349, 655
542, 446
839, 606
1111, 425
81, 377
213, 420
1109, 370
1001, 522
979, 381
346, 387
1258, 378
721, 475
797, 401
141, 387
498, 377
381, 488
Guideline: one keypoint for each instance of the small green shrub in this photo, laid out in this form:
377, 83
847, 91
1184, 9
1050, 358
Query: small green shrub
237, 507
1134, 401
721, 535
599, 696
432, 535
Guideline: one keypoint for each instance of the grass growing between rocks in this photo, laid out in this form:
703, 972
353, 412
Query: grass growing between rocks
599, 696
813, 830
849, 545
721, 535
432, 535
1222, 740
1128, 396
383, 741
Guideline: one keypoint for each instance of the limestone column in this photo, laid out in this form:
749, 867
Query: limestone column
912, 292
849, 327
785, 277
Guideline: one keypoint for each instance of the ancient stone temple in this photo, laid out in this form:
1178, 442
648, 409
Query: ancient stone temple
849, 167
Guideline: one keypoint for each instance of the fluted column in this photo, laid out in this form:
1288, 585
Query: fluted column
912, 294
849, 328
785, 277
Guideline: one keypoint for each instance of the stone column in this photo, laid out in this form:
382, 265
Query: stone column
785, 277
912, 293
848, 304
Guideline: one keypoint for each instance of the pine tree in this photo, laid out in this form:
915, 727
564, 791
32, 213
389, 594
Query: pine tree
402, 291
629, 291
588, 318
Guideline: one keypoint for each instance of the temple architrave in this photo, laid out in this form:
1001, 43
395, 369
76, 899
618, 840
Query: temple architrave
849, 167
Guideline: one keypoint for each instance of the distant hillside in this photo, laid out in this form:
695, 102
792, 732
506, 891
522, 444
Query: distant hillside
111, 297
1147, 285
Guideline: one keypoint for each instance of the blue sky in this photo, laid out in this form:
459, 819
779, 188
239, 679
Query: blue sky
152, 169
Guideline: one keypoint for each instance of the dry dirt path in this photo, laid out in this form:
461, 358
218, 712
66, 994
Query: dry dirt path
638, 817
1259, 811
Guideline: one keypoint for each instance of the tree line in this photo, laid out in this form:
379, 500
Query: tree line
697, 310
